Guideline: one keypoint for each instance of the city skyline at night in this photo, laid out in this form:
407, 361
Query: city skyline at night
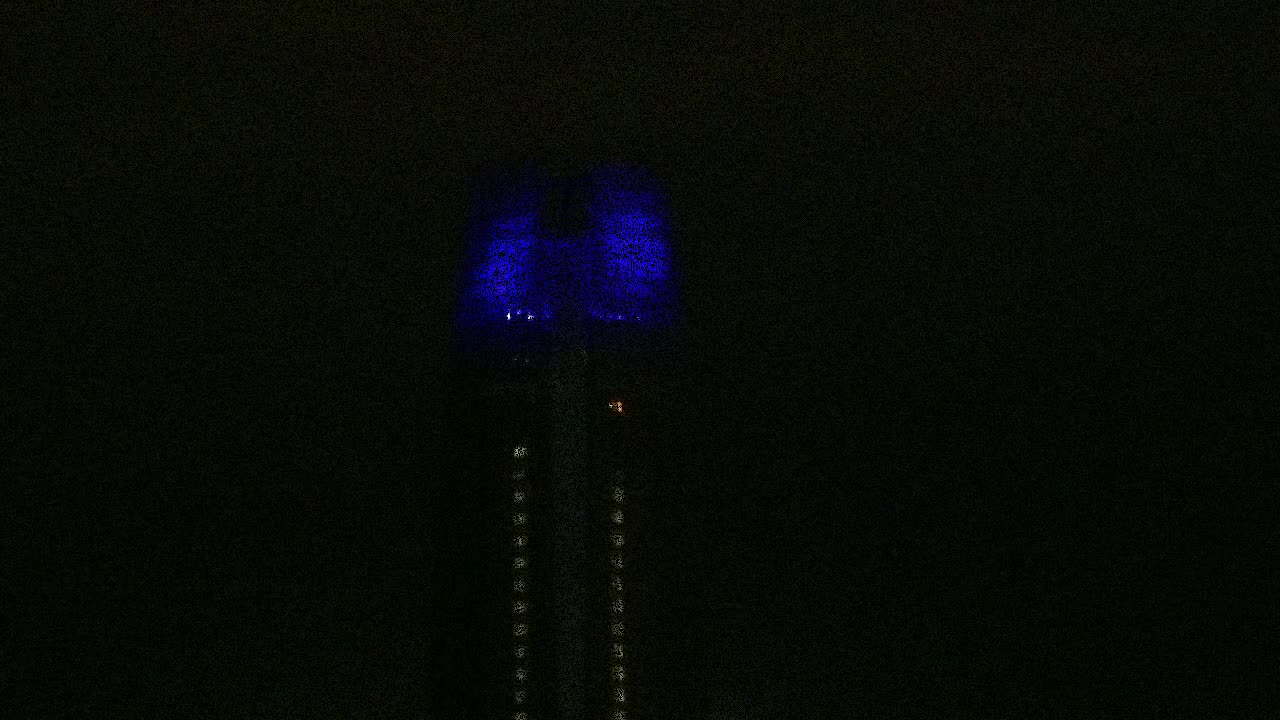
931, 347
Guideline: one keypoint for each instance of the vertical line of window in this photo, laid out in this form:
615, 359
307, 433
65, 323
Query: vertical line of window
520, 602
614, 542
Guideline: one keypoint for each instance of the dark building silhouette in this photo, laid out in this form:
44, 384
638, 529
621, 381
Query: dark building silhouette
566, 335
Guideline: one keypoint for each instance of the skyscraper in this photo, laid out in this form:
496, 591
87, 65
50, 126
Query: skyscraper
567, 320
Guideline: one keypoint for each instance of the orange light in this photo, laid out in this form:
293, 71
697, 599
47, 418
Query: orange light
616, 406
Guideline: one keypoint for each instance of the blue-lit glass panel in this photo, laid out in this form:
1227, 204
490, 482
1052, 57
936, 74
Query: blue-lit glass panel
632, 279
506, 278
504, 291
545, 251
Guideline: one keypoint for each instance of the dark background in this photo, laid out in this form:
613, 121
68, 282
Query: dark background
978, 414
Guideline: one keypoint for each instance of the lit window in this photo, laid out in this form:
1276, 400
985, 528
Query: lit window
518, 496
616, 584
521, 651
617, 715
616, 406
508, 314
520, 561
520, 451
519, 607
520, 696
616, 539
617, 517
615, 560
618, 495
616, 629
521, 629
617, 651
525, 716
521, 674
619, 695
528, 317
520, 518
521, 540
519, 585
617, 605
619, 673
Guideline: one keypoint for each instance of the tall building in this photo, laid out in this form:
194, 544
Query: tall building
566, 327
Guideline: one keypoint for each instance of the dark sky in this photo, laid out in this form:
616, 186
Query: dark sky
976, 419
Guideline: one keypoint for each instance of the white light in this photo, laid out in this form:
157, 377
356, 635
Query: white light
521, 540
617, 584
616, 629
618, 495
619, 673
518, 496
528, 317
520, 451
617, 715
520, 673
617, 651
617, 516
616, 561
519, 607
520, 561
520, 651
508, 314
520, 696
617, 605
519, 586
520, 518
619, 695
616, 539
525, 716
521, 629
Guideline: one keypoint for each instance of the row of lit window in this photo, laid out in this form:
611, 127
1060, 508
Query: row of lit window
520, 587
617, 670
521, 314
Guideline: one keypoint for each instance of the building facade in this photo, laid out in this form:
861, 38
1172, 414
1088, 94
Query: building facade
566, 318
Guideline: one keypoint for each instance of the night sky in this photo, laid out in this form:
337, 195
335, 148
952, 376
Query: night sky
977, 416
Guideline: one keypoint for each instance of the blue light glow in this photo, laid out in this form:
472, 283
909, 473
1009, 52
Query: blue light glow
632, 278
506, 276
618, 268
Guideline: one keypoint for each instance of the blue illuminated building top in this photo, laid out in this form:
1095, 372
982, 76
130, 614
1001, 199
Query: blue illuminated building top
546, 254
